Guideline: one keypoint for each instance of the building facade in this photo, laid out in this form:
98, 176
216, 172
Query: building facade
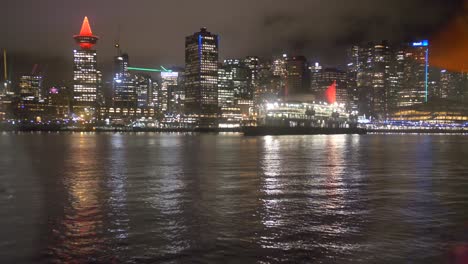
201, 78
85, 72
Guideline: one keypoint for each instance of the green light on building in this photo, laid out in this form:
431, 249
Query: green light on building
162, 69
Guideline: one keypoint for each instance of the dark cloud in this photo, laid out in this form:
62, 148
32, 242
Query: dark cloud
153, 32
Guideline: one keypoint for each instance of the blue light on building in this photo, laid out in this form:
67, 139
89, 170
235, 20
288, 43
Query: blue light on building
424, 43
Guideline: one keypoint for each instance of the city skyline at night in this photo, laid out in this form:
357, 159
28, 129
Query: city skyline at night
272, 29
208, 131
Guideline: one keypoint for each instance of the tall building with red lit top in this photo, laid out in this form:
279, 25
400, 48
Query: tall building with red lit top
85, 72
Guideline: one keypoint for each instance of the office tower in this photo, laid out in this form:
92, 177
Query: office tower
241, 82
121, 63
154, 94
253, 64
143, 86
201, 77
225, 86
298, 75
369, 66
414, 88
85, 73
169, 83
268, 85
124, 85
30, 87
322, 79
452, 85
171, 93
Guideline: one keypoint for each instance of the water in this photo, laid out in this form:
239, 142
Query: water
176, 198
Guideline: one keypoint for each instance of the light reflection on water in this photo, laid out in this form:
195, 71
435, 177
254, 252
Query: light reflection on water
174, 198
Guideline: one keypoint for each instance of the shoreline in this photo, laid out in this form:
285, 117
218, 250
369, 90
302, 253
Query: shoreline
246, 131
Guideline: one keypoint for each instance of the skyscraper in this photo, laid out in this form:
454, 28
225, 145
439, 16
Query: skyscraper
298, 77
369, 69
225, 86
201, 77
124, 86
241, 82
85, 73
143, 85
414, 88
321, 79
253, 64
168, 88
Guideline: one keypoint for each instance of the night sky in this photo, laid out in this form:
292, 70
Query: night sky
152, 32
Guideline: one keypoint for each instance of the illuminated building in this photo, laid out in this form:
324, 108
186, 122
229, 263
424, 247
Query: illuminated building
121, 64
30, 87
369, 69
85, 73
58, 96
225, 87
278, 68
436, 111
302, 114
253, 64
154, 94
268, 86
167, 90
322, 79
414, 88
143, 88
124, 85
201, 78
453, 85
298, 75
241, 82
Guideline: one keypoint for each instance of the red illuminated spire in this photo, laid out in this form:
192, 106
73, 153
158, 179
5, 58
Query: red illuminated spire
330, 93
86, 39
85, 28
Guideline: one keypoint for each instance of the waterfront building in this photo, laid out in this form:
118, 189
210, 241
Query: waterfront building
414, 88
30, 87
85, 72
225, 87
201, 78
304, 114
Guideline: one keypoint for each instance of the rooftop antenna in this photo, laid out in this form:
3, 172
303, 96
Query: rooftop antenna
5, 71
117, 42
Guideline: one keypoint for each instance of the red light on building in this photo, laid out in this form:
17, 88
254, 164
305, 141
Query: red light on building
86, 39
330, 93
